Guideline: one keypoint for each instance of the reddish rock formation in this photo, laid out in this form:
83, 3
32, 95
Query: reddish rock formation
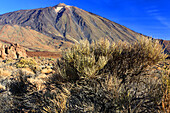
13, 51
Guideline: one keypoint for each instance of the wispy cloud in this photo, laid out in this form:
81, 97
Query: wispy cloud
156, 13
163, 20
153, 12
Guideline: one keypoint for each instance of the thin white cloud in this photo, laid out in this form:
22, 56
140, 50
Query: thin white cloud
153, 11
163, 20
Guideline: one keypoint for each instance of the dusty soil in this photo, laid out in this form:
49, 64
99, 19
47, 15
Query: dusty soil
44, 54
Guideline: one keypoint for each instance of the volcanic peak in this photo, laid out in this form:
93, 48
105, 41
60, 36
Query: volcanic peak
60, 5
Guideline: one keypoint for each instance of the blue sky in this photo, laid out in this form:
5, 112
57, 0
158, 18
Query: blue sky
149, 17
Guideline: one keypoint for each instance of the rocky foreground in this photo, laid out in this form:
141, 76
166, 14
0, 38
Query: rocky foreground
87, 78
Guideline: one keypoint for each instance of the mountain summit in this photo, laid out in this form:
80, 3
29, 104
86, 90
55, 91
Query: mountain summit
61, 5
61, 23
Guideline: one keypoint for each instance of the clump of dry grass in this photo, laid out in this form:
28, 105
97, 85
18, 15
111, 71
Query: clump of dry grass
27, 63
88, 59
56, 100
122, 59
131, 60
166, 89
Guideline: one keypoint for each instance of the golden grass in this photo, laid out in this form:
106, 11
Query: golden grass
58, 100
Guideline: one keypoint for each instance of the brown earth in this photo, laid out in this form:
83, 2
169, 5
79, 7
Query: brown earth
43, 54
30, 39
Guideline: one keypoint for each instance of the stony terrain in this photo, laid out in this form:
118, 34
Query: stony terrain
13, 51
41, 84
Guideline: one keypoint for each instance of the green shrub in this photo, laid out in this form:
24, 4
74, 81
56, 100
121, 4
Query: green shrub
87, 59
25, 63
112, 77
122, 59
28, 63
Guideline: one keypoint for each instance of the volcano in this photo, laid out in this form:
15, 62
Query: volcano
59, 26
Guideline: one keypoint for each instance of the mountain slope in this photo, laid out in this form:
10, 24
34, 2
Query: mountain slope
29, 38
68, 23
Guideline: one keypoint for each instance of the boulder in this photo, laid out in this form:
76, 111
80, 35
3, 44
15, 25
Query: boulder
12, 51
2, 52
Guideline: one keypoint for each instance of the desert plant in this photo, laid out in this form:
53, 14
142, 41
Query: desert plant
122, 60
88, 59
165, 89
28, 63
120, 80
23, 63
131, 60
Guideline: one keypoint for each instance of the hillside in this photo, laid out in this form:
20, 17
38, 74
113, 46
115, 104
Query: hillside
30, 39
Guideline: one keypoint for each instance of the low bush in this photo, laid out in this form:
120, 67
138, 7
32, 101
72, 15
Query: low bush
111, 77
28, 63
25, 63
122, 59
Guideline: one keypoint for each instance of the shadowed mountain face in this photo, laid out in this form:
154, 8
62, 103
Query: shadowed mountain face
66, 23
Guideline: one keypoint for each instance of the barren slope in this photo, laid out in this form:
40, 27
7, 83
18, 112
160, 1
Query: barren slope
29, 38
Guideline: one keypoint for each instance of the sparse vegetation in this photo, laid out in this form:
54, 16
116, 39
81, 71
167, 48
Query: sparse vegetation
96, 77
25, 63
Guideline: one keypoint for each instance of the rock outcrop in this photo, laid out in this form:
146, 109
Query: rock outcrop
12, 51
